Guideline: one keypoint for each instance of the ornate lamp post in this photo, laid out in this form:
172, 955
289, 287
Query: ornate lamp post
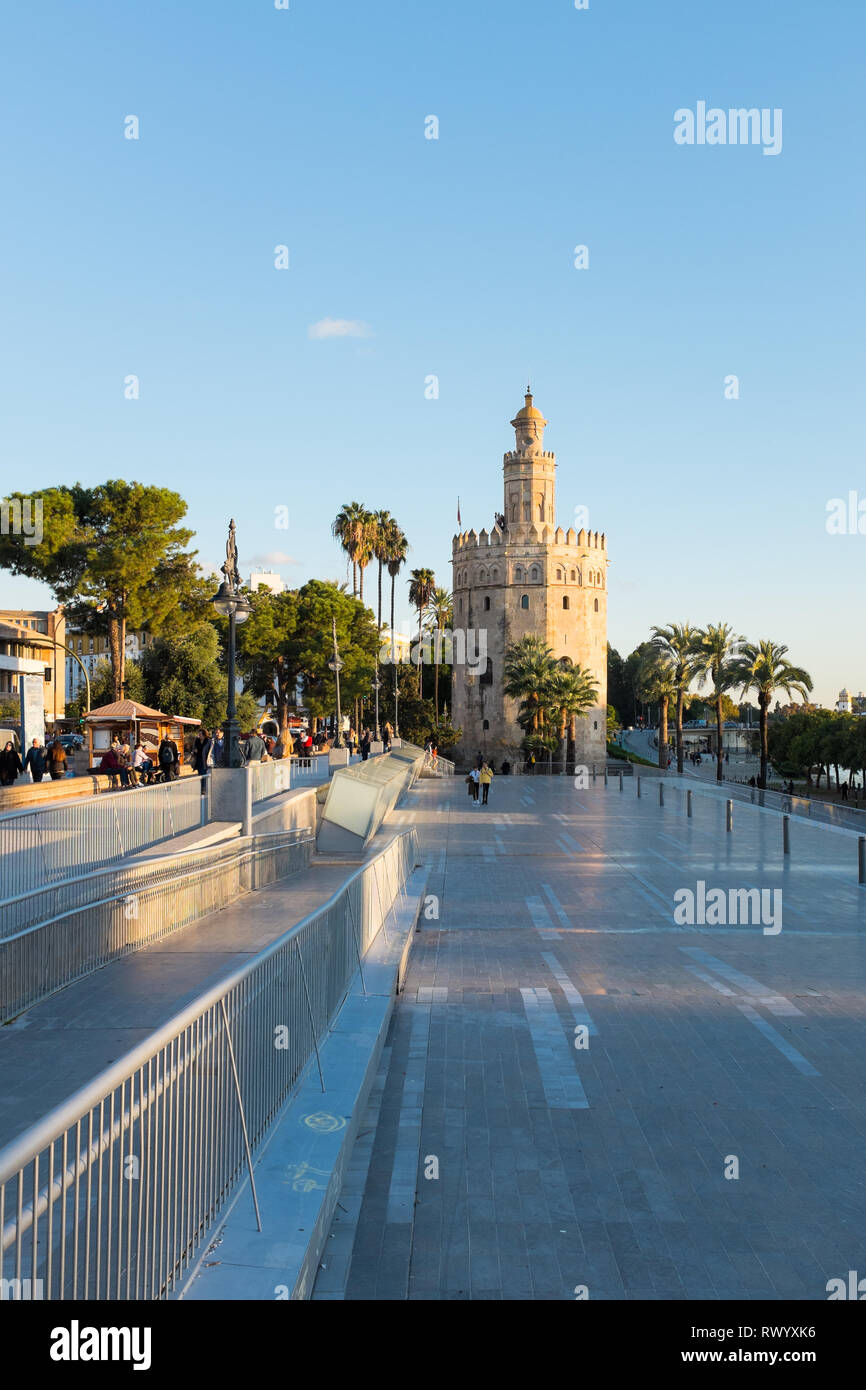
230, 603
336, 666
377, 686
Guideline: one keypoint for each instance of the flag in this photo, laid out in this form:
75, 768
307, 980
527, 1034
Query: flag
458, 511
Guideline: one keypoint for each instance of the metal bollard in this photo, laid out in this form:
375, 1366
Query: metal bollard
605, 774
786, 834
593, 772
620, 779
638, 786
861, 858
661, 793
688, 803
729, 815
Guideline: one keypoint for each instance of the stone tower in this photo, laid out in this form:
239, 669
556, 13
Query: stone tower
527, 575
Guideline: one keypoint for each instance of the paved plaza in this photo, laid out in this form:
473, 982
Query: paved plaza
703, 1140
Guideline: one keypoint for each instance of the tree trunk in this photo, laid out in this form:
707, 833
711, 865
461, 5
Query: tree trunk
719, 754
115, 647
436, 677
681, 695
762, 710
663, 731
420, 650
563, 736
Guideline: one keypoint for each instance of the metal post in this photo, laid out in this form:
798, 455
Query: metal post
355, 933
620, 779
786, 834
638, 787
310, 1012
661, 793
861, 858
689, 803
729, 815
241, 1109
593, 772
605, 774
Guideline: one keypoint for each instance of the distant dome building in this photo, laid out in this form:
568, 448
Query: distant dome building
528, 575
844, 703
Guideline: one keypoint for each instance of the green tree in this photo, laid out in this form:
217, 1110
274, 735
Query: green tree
267, 652
716, 647
311, 647
567, 692
422, 583
526, 668
763, 667
114, 556
657, 685
676, 643
182, 675
351, 528
440, 615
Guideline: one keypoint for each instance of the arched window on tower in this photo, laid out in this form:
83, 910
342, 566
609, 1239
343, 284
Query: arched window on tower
541, 506
565, 601
573, 576
524, 601
535, 575
559, 576
487, 678
518, 574
486, 724
486, 603
596, 605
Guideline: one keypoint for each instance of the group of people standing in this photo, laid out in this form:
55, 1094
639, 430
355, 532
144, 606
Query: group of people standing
38, 761
479, 779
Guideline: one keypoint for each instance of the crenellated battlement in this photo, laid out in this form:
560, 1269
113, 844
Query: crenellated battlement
529, 534
518, 456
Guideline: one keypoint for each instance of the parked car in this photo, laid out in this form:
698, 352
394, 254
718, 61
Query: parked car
72, 742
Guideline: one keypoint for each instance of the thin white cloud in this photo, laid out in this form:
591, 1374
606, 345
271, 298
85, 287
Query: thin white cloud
340, 328
275, 557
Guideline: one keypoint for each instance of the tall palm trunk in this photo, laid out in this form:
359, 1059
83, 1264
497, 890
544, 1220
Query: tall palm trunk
719, 755
663, 731
420, 649
436, 674
762, 712
681, 695
563, 737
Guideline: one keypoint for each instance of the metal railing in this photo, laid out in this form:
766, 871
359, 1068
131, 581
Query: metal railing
821, 812
47, 843
309, 770
270, 778
113, 1193
56, 935
437, 767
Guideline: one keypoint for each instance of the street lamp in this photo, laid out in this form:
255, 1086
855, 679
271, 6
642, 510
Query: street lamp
377, 686
230, 603
336, 666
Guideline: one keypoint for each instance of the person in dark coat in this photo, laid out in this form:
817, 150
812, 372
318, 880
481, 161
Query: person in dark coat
11, 765
35, 760
365, 745
168, 759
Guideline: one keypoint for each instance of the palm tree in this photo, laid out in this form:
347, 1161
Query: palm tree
676, 642
716, 653
762, 667
366, 548
397, 548
422, 582
350, 527
526, 670
569, 691
440, 614
656, 684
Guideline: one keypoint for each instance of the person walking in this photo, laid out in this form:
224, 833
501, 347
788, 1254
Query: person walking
168, 759
35, 760
56, 760
486, 776
11, 765
475, 778
365, 745
219, 748
254, 748
387, 735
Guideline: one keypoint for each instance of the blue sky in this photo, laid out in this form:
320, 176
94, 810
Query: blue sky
305, 127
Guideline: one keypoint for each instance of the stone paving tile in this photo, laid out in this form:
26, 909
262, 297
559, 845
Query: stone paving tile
628, 1196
